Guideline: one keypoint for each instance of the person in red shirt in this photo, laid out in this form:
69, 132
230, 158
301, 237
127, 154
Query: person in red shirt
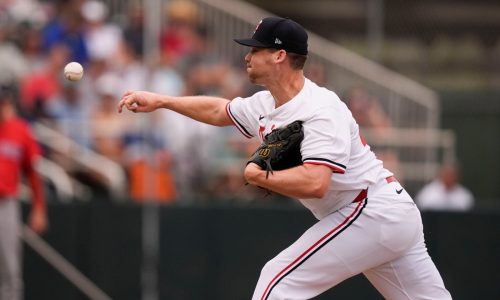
18, 154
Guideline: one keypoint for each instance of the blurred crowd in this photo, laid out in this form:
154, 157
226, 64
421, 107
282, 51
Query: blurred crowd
165, 156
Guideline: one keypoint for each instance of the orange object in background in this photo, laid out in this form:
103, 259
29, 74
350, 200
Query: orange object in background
148, 182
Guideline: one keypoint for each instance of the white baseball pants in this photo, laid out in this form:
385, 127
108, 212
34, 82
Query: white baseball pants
380, 236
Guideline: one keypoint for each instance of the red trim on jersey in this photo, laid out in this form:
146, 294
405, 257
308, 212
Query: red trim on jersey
310, 249
235, 122
363, 141
333, 167
391, 179
261, 132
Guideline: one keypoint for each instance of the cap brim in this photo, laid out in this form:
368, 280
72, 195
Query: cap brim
251, 43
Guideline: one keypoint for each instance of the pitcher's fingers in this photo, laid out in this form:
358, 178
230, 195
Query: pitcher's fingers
120, 105
124, 101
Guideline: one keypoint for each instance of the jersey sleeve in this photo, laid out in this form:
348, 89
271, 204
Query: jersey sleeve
240, 113
327, 140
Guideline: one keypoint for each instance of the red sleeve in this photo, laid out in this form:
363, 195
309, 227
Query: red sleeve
31, 155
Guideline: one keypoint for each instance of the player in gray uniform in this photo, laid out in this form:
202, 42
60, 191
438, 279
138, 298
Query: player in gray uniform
367, 222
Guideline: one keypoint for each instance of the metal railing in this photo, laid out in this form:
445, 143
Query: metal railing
411, 146
62, 182
113, 173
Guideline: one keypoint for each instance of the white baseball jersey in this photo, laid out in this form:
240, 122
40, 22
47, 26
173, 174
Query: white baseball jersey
379, 234
331, 138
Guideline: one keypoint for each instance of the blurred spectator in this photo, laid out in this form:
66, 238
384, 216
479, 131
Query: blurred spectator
13, 65
367, 111
67, 27
43, 85
214, 79
108, 129
201, 52
102, 38
127, 65
134, 29
177, 38
445, 192
69, 114
27, 11
206, 73
87, 85
30, 43
18, 154
165, 78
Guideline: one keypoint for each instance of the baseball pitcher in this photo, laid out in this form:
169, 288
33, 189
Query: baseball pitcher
312, 151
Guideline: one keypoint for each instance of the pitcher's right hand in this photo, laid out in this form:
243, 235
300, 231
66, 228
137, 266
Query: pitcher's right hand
139, 101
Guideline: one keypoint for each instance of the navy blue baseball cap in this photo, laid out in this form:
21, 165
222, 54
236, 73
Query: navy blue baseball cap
278, 33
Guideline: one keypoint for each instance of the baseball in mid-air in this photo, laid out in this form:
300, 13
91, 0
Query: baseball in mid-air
73, 71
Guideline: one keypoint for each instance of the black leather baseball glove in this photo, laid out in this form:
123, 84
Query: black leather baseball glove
280, 149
